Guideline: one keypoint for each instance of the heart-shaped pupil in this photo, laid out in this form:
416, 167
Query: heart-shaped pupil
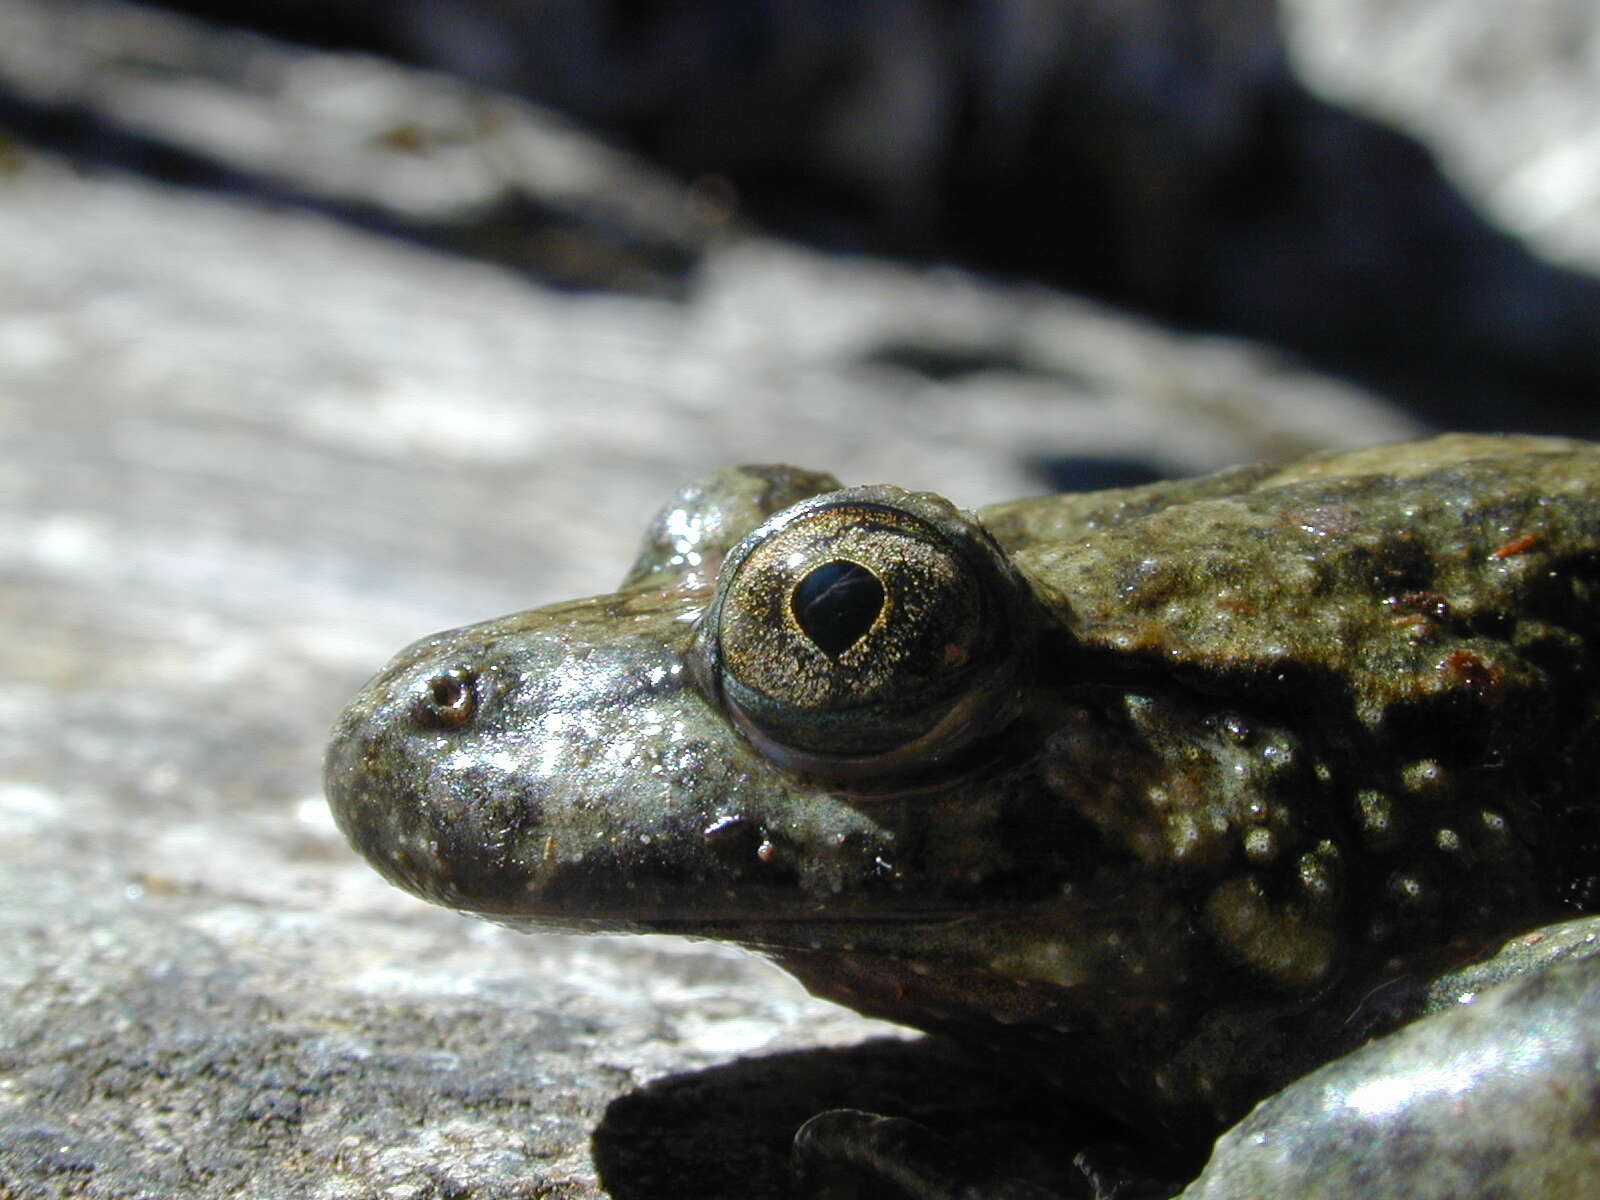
836, 603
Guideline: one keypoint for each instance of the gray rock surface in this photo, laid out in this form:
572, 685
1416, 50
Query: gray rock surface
247, 451
1507, 100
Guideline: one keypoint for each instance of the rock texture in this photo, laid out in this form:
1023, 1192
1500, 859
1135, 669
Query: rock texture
256, 436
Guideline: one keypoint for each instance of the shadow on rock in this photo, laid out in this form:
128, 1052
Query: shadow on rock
727, 1131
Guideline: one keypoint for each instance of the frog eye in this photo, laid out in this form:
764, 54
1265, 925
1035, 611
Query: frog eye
863, 630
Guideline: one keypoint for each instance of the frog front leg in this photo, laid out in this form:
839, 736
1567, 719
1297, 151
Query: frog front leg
1498, 1095
1495, 1092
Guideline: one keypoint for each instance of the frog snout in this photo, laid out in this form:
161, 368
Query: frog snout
503, 770
554, 766
393, 777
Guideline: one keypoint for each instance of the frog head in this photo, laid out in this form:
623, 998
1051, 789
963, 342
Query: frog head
765, 730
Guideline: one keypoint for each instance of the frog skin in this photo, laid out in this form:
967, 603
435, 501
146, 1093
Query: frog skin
1168, 795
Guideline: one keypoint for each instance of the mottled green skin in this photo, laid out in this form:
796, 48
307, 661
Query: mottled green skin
1289, 743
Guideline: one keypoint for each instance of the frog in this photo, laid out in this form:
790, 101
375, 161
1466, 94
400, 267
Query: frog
1215, 804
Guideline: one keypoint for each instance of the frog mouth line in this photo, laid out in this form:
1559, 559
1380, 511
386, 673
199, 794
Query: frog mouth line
698, 926
744, 930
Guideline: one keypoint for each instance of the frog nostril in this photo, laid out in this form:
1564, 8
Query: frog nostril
448, 699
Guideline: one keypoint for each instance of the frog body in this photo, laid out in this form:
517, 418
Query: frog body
1169, 795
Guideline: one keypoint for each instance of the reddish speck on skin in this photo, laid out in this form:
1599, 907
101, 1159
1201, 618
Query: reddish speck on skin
1416, 612
1516, 546
1471, 669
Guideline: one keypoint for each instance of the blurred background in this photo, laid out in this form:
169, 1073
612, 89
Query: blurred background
325, 326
